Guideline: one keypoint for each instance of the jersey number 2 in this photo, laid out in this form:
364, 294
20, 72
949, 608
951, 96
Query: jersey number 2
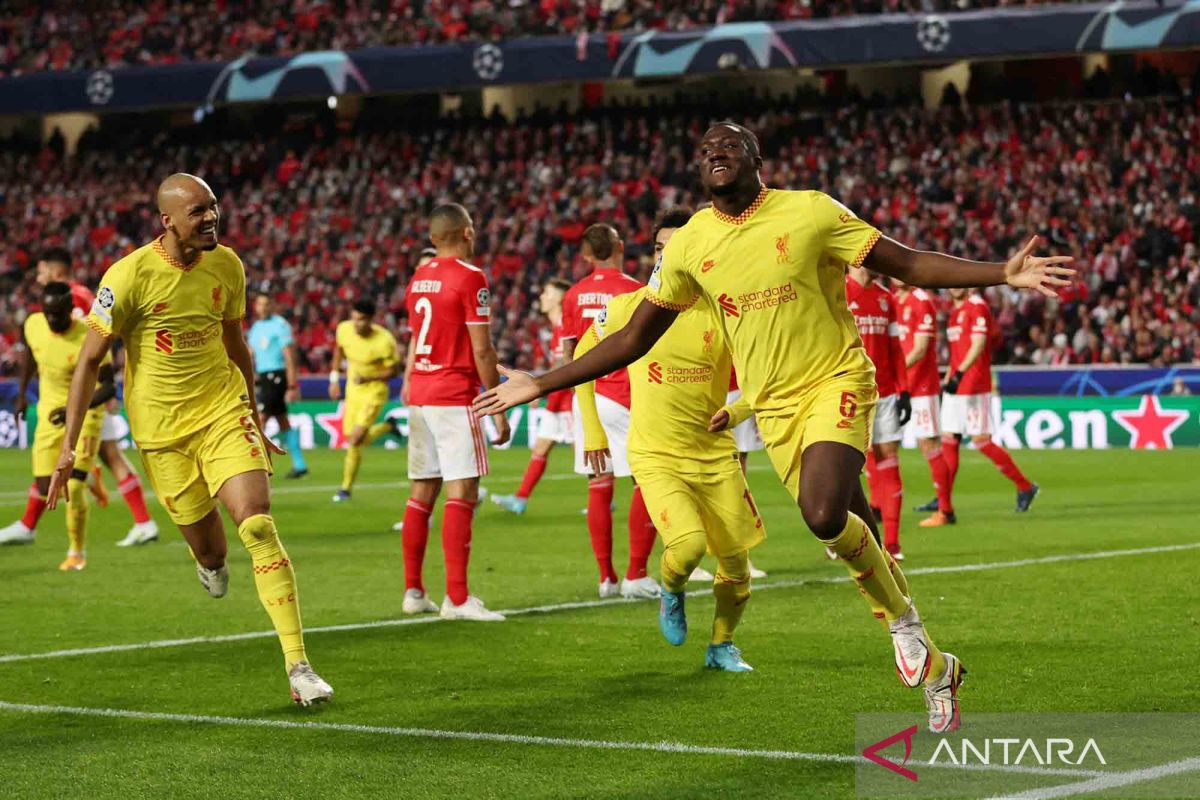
425, 309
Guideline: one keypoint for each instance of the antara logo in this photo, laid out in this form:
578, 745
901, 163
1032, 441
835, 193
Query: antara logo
655, 372
728, 305
164, 342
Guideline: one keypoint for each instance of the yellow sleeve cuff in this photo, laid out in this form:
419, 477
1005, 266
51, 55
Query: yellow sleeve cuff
738, 411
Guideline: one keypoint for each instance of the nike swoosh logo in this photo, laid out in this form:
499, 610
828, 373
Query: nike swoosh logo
904, 665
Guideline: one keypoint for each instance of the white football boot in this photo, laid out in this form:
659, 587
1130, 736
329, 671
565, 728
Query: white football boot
755, 572
701, 575
307, 686
417, 602
941, 696
214, 581
16, 533
609, 589
140, 533
642, 588
471, 609
912, 648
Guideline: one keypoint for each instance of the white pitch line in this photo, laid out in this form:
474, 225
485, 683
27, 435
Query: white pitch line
1107, 781
583, 604
514, 738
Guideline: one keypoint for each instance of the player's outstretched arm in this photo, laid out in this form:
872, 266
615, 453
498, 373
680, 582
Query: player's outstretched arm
79, 399
234, 339
620, 349
939, 271
487, 365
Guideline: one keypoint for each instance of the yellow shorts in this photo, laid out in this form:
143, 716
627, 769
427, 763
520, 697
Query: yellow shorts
716, 504
187, 473
839, 410
361, 410
48, 439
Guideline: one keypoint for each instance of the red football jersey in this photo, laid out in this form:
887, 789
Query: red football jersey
970, 318
443, 298
874, 310
82, 298
560, 400
582, 303
918, 316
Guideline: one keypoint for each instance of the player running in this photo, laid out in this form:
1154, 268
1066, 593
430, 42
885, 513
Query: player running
557, 425
690, 478
773, 263
55, 265
373, 359
53, 337
918, 337
967, 410
450, 355
178, 304
874, 310
274, 352
603, 249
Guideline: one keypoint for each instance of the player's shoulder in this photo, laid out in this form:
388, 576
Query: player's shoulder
343, 328
35, 324
382, 330
129, 264
629, 283
628, 301
920, 295
977, 302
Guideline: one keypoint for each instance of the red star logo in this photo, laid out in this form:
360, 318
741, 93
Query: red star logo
1150, 425
332, 423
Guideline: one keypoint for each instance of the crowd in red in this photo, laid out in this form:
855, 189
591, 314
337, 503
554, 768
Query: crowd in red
323, 214
39, 35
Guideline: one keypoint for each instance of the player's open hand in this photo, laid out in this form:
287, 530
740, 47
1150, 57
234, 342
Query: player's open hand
1027, 271
597, 460
60, 476
291, 395
719, 421
520, 388
503, 430
272, 448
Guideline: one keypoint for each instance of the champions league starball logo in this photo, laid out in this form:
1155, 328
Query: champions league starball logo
488, 61
933, 34
100, 87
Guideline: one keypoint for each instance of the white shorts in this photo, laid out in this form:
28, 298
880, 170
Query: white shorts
886, 427
113, 427
926, 417
745, 434
614, 418
445, 442
968, 414
558, 426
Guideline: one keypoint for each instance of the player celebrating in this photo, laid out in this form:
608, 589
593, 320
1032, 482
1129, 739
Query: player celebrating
690, 478
55, 265
53, 337
557, 424
450, 355
274, 352
603, 249
374, 359
773, 263
178, 303
874, 310
968, 386
918, 337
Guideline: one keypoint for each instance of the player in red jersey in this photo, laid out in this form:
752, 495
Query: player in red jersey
556, 425
967, 410
918, 337
54, 266
450, 355
605, 252
874, 310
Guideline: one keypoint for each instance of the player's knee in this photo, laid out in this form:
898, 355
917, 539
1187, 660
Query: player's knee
734, 569
684, 554
824, 518
257, 528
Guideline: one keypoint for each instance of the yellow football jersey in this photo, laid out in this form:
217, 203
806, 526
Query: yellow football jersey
775, 276
56, 355
676, 387
178, 377
368, 356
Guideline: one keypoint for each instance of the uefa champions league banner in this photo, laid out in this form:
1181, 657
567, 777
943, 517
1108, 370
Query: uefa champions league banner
1099, 381
864, 39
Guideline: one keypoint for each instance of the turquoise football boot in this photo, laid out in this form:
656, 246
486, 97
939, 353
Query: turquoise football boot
672, 620
726, 657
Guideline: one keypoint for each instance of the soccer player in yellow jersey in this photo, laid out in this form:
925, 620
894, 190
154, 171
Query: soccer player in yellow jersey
691, 479
53, 338
372, 355
178, 304
773, 263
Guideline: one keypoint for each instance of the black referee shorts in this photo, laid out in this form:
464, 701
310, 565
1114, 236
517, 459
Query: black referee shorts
271, 389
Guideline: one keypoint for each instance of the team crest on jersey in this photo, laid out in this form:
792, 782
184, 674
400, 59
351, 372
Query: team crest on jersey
782, 255
883, 304
708, 340
216, 296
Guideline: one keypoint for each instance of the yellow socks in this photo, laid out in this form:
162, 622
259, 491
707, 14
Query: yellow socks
77, 515
350, 466
276, 583
732, 590
680, 556
868, 565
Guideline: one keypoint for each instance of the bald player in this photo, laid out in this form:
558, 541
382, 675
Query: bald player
178, 303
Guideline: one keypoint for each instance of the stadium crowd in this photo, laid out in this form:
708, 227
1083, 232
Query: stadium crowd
323, 214
57, 35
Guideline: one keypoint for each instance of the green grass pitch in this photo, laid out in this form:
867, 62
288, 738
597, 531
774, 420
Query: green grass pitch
1104, 634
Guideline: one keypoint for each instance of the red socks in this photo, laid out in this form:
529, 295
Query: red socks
413, 539
641, 536
1006, 465
890, 498
950, 454
873, 489
33, 508
941, 480
456, 547
533, 474
131, 490
599, 520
